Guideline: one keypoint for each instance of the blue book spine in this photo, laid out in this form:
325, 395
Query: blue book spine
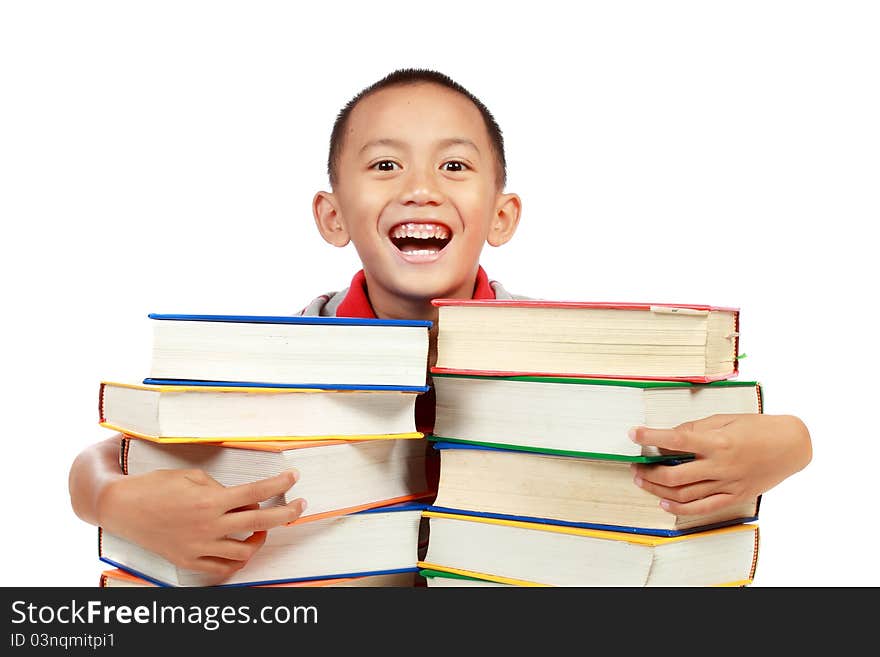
292, 319
259, 384
648, 531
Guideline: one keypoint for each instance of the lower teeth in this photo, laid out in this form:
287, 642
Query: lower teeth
420, 252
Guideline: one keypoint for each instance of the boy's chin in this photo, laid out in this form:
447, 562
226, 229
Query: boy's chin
426, 286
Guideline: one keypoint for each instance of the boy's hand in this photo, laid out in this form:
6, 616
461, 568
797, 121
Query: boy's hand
187, 517
738, 457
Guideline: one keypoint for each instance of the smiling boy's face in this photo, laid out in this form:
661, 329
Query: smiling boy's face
417, 194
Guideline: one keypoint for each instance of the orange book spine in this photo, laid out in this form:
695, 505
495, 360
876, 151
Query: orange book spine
123, 454
363, 507
101, 402
755, 554
735, 343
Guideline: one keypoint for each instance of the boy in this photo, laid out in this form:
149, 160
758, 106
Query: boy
417, 170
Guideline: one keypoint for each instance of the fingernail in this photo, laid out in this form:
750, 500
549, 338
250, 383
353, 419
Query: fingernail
632, 434
302, 505
664, 504
295, 474
637, 481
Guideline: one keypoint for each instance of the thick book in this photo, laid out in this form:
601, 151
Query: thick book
118, 578
334, 476
536, 554
383, 540
303, 351
588, 339
181, 413
563, 490
576, 416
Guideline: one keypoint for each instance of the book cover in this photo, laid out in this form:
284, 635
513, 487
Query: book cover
644, 531
628, 537
674, 308
445, 442
520, 557
325, 538
564, 490
116, 577
302, 581
293, 351
534, 413
313, 513
514, 365
255, 386
623, 382
216, 413
435, 571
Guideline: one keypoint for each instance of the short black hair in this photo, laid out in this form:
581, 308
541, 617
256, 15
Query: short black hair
406, 76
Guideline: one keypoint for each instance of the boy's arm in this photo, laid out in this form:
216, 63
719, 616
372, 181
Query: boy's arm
738, 457
92, 470
182, 515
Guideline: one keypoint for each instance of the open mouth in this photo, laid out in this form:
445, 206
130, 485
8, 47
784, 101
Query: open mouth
420, 239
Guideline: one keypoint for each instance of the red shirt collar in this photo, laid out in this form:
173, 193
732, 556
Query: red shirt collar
357, 303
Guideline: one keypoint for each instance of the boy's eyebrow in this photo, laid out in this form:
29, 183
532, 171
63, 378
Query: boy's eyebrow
382, 142
458, 141
443, 143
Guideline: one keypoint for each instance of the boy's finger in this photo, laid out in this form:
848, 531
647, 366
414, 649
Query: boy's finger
217, 566
681, 439
257, 491
681, 494
704, 505
263, 519
709, 423
235, 550
675, 475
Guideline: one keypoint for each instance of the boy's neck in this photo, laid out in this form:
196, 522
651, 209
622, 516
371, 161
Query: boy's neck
389, 306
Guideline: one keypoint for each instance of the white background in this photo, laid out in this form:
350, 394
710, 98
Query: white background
162, 157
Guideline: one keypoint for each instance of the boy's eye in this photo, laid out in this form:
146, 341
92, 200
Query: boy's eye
454, 166
385, 165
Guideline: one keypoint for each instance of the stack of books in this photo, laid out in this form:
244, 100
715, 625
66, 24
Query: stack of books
534, 403
243, 398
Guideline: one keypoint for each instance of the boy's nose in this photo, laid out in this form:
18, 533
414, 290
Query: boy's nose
420, 188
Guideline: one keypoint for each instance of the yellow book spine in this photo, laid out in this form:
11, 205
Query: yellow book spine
522, 582
261, 439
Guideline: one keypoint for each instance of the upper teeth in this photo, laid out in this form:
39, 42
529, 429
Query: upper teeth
420, 231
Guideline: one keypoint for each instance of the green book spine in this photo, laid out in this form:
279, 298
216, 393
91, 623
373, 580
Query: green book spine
625, 383
427, 572
565, 452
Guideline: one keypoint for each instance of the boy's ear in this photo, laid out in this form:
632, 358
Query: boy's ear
325, 208
503, 226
